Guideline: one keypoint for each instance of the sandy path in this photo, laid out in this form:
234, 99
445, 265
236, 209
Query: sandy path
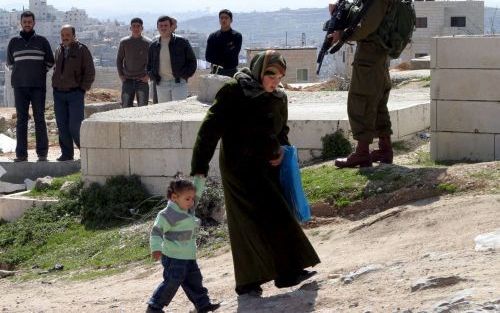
429, 238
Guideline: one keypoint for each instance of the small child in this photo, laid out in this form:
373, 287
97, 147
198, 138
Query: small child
173, 240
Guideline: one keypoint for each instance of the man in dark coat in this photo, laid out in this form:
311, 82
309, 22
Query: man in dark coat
223, 46
250, 116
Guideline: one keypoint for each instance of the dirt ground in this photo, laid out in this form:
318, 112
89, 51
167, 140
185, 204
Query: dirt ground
434, 237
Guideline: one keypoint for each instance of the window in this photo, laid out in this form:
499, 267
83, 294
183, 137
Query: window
343, 56
458, 21
421, 22
419, 55
302, 75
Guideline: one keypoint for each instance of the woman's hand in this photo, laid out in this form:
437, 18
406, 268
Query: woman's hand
277, 161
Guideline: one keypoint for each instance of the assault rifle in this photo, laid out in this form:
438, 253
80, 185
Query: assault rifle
338, 21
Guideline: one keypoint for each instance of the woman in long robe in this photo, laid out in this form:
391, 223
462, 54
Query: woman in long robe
250, 115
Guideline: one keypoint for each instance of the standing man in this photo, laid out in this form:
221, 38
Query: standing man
369, 91
131, 62
171, 62
74, 73
29, 56
223, 46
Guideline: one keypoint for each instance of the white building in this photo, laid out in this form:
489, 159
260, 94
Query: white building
434, 18
76, 17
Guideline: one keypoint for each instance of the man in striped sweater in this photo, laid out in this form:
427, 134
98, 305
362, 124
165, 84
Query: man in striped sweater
29, 56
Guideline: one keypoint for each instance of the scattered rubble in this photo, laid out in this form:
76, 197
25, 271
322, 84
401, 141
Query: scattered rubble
349, 278
488, 242
436, 282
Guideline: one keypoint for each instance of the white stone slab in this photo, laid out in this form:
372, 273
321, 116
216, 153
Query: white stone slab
433, 117
189, 131
468, 116
156, 185
393, 115
462, 146
155, 135
468, 52
7, 144
412, 120
465, 84
160, 162
83, 161
107, 162
307, 134
13, 206
100, 134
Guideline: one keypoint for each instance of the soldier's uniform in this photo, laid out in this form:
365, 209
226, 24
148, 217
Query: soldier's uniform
370, 87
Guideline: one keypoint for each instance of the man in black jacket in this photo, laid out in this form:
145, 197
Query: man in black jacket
171, 62
29, 56
223, 46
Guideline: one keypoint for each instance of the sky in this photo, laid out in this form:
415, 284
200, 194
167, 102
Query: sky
111, 8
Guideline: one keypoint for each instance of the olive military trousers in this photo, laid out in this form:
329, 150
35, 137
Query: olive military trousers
369, 93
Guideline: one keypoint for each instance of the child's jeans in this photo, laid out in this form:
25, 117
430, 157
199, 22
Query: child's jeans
176, 273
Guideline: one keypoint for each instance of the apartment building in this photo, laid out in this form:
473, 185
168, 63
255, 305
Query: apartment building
300, 63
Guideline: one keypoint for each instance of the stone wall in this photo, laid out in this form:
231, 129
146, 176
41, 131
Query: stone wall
465, 107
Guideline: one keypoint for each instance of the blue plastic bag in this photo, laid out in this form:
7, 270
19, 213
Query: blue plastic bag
292, 185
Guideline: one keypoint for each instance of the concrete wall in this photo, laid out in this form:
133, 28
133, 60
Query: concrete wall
296, 58
156, 142
465, 107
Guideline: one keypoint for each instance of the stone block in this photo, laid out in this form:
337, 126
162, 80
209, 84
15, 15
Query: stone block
307, 134
433, 52
308, 155
433, 116
150, 135
412, 120
420, 63
468, 116
393, 115
463, 84
497, 147
156, 185
468, 52
99, 134
160, 162
108, 162
462, 146
13, 206
209, 85
101, 180
189, 131
83, 161
92, 108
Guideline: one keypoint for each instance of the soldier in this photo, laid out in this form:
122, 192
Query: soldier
73, 75
369, 91
223, 46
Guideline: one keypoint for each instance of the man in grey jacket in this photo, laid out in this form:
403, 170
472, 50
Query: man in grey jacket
29, 56
131, 63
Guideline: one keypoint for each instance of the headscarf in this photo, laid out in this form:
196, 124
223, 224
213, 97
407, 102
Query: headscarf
250, 79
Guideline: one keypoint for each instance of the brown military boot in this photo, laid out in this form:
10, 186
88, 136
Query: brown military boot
360, 157
384, 154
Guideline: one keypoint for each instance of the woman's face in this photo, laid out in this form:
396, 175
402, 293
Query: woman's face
271, 82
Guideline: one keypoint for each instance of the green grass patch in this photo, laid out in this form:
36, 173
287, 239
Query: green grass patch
332, 185
53, 191
447, 187
400, 146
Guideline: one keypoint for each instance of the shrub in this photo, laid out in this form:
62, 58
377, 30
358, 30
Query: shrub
335, 145
113, 203
211, 203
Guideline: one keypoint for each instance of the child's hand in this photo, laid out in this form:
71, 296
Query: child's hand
156, 255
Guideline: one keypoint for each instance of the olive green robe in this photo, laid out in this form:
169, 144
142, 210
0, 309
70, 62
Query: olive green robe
266, 239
